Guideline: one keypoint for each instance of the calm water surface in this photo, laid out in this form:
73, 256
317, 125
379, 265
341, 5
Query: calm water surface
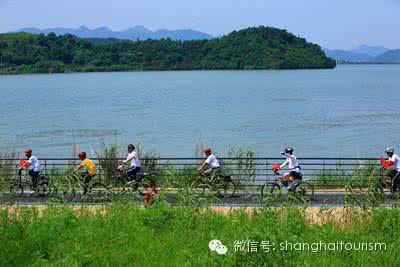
349, 111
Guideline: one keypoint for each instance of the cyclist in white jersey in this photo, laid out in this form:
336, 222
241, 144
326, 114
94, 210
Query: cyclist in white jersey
134, 161
293, 175
210, 167
34, 167
394, 174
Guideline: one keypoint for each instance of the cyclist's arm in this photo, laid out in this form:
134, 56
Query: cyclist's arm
202, 166
26, 164
386, 163
79, 167
129, 158
285, 163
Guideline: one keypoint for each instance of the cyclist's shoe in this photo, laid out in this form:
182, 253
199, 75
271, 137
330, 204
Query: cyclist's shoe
225, 178
140, 176
35, 194
284, 185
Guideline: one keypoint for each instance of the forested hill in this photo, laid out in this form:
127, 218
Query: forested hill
252, 48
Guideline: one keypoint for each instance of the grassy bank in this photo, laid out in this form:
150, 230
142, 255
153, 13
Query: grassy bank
124, 235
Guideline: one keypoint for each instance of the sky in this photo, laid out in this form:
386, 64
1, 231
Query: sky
341, 24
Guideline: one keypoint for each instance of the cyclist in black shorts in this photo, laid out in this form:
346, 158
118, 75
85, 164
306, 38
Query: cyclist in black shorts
134, 161
293, 176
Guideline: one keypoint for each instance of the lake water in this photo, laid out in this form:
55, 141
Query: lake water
352, 110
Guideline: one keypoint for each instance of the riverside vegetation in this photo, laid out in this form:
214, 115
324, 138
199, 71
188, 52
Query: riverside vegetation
123, 234
126, 235
252, 48
363, 177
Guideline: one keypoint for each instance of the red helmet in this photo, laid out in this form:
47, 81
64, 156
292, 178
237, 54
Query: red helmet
82, 154
207, 150
28, 151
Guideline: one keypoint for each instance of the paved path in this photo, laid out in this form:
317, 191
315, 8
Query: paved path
241, 199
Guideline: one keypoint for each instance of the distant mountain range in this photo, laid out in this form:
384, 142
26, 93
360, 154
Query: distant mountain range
365, 54
134, 33
391, 56
369, 50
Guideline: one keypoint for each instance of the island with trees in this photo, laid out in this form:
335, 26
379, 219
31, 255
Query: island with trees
248, 49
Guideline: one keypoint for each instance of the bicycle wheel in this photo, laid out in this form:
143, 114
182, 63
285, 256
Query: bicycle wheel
102, 192
119, 188
199, 188
43, 186
143, 187
305, 189
16, 190
270, 189
227, 189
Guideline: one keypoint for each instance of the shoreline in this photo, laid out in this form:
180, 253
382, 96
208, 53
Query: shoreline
156, 70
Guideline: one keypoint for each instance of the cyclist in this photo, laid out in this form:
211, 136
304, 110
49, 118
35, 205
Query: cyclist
293, 176
210, 167
88, 170
34, 168
134, 161
394, 174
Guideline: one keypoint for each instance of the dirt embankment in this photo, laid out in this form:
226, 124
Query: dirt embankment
312, 215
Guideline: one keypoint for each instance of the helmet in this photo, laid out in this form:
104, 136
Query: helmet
289, 149
132, 147
389, 150
82, 154
28, 151
207, 150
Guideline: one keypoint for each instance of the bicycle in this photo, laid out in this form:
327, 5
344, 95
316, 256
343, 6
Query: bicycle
19, 183
76, 188
274, 188
384, 181
222, 185
126, 184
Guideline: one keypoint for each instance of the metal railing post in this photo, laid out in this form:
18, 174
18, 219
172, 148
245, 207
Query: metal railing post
313, 167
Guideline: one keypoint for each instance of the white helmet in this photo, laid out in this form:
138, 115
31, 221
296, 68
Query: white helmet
389, 150
289, 149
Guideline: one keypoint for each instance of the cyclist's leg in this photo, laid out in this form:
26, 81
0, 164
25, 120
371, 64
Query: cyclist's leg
86, 178
35, 176
285, 180
216, 174
392, 174
138, 175
133, 173
294, 184
297, 177
396, 182
130, 173
208, 174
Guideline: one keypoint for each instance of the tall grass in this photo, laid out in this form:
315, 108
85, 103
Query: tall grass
7, 168
150, 164
124, 235
360, 176
108, 160
243, 168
